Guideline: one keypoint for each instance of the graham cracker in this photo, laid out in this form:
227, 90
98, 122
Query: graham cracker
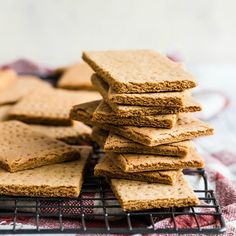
137, 195
118, 144
139, 71
23, 86
7, 77
24, 148
176, 99
142, 162
57, 180
108, 169
101, 86
50, 106
79, 133
128, 110
84, 111
4, 112
104, 115
76, 76
99, 136
186, 128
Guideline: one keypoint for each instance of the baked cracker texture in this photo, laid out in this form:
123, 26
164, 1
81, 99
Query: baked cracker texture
137, 195
176, 99
50, 106
104, 115
76, 77
128, 110
57, 180
79, 133
24, 148
142, 162
118, 144
20, 88
84, 111
139, 71
186, 128
108, 169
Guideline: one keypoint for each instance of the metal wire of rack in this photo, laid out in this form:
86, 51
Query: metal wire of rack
96, 210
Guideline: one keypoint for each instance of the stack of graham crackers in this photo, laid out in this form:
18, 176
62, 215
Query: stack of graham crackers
145, 126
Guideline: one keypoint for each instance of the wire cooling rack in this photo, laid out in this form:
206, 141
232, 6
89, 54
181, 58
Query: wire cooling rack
97, 211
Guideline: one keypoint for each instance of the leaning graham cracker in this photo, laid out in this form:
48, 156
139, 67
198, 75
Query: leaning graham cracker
99, 136
137, 195
4, 112
186, 128
101, 86
108, 169
176, 99
24, 148
139, 71
76, 76
7, 77
50, 106
127, 110
57, 180
104, 115
142, 162
84, 111
118, 144
76, 134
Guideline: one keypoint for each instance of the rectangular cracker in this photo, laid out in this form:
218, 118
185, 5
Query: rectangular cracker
76, 76
57, 180
79, 133
186, 128
50, 106
7, 77
142, 162
92, 114
136, 195
84, 111
170, 99
24, 148
139, 71
99, 136
128, 110
108, 169
4, 112
118, 144
104, 115
20, 88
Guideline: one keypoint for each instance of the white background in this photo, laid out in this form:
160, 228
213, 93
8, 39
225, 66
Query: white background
55, 32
